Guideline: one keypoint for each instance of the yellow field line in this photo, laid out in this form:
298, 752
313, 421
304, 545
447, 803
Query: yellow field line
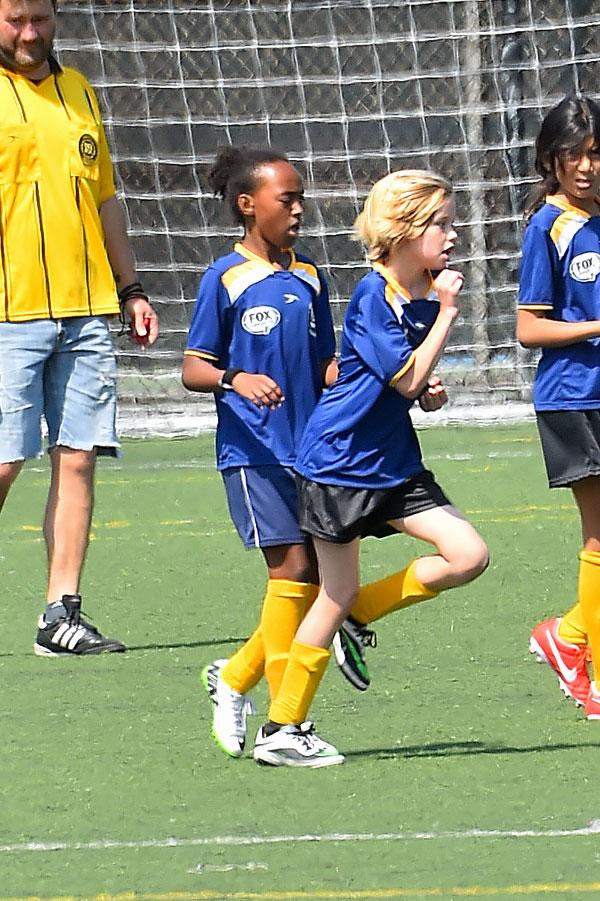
464, 891
500, 514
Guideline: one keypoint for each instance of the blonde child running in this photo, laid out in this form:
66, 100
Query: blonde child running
359, 462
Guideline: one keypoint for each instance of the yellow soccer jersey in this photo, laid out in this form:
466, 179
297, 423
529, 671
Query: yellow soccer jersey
55, 173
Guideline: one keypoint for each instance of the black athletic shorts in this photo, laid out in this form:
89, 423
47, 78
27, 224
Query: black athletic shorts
570, 444
340, 514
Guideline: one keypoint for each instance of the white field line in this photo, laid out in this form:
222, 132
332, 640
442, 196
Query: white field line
112, 465
593, 828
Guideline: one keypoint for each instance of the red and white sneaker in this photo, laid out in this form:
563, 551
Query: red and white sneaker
567, 660
592, 705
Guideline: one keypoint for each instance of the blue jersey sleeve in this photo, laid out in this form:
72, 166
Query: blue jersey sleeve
208, 329
378, 337
324, 323
538, 266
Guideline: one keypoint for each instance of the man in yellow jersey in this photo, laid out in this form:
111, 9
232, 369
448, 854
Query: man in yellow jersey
64, 255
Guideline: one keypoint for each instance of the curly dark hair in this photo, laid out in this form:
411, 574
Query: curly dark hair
236, 171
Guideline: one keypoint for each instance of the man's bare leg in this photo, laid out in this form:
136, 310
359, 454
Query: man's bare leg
67, 524
68, 518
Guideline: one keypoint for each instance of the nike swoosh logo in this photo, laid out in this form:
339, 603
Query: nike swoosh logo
569, 675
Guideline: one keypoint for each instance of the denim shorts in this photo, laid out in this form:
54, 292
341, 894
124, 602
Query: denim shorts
263, 503
63, 370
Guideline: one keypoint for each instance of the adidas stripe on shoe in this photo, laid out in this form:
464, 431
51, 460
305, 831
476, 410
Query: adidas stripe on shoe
70, 634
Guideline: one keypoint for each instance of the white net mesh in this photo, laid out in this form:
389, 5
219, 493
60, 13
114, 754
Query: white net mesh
350, 89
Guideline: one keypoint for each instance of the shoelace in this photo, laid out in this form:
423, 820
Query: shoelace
308, 736
212, 678
75, 618
368, 637
240, 710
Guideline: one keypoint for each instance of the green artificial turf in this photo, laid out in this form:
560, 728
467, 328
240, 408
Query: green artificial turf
466, 772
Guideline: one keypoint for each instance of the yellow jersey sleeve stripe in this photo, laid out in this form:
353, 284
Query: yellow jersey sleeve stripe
393, 287
396, 378
396, 301
303, 270
249, 255
203, 354
564, 205
565, 228
308, 274
535, 306
237, 279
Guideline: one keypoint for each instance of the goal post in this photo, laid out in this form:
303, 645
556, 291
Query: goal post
350, 89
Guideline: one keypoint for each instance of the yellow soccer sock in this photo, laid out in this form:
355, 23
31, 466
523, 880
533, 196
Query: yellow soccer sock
283, 610
245, 669
572, 626
302, 677
589, 598
399, 590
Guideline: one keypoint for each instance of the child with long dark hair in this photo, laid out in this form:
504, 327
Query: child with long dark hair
359, 463
559, 312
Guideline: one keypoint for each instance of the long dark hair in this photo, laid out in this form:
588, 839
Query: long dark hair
235, 171
563, 131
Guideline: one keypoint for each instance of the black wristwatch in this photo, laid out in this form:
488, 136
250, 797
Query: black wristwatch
225, 382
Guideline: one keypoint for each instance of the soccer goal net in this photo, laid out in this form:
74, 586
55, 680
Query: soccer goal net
350, 89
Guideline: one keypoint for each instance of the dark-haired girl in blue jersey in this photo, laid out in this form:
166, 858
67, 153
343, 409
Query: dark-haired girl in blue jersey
359, 462
262, 340
559, 312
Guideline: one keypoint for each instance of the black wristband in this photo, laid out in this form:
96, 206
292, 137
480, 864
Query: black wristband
135, 289
226, 380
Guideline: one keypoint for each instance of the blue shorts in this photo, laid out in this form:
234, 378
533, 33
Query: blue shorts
263, 504
64, 370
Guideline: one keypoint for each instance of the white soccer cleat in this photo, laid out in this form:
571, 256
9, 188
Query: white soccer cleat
293, 745
230, 710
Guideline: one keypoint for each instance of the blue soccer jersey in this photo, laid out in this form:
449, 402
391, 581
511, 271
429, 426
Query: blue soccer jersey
559, 275
251, 316
360, 434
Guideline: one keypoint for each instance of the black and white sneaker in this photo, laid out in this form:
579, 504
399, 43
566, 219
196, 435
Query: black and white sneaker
70, 634
349, 648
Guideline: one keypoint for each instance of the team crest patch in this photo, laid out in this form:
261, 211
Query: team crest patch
88, 149
260, 320
585, 267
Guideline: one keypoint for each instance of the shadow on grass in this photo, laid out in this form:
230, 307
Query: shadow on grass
465, 749
209, 643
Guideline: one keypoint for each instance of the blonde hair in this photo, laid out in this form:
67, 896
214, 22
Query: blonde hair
399, 207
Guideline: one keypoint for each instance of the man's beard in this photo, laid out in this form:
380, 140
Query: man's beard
15, 60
